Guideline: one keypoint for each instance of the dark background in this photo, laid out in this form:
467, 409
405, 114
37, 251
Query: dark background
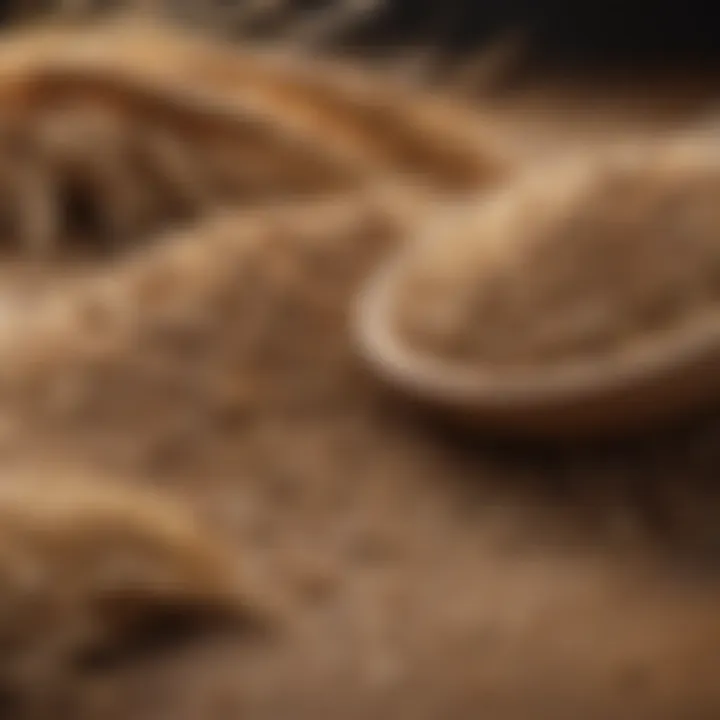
557, 31
591, 31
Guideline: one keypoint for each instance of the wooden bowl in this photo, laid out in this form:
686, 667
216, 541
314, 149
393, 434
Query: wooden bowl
659, 377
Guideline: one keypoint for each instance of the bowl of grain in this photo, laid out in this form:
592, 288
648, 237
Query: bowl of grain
580, 298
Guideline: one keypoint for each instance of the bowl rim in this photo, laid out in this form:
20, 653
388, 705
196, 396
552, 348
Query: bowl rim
652, 358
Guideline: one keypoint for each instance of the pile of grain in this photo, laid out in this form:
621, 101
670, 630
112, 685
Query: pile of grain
582, 260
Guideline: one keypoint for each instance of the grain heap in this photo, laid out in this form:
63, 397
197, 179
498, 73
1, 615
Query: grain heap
584, 261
